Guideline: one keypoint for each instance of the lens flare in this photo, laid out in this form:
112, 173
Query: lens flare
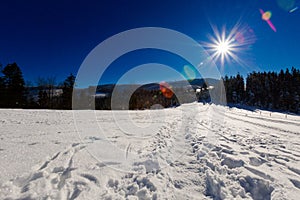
286, 5
189, 72
294, 9
239, 37
166, 90
266, 16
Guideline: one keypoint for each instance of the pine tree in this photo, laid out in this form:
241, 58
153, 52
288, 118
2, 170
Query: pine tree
68, 91
13, 86
240, 88
2, 91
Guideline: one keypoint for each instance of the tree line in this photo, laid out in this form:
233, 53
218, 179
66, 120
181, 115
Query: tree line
15, 93
266, 90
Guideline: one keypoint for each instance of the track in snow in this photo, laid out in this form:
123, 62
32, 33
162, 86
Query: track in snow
196, 152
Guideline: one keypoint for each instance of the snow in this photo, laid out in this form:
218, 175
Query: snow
194, 151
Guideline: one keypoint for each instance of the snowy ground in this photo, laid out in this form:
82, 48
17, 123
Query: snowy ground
191, 152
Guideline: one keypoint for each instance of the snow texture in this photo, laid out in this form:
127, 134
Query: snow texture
194, 151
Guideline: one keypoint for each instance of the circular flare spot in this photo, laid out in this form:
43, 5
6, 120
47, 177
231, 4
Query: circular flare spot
286, 5
239, 37
166, 90
189, 71
266, 16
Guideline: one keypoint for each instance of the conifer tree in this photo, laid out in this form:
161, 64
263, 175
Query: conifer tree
13, 90
68, 91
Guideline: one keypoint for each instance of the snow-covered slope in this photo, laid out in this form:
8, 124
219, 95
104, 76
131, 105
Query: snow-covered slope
194, 151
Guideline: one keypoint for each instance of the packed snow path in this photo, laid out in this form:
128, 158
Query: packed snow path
194, 151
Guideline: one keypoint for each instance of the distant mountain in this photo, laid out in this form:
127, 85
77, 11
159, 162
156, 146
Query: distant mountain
195, 83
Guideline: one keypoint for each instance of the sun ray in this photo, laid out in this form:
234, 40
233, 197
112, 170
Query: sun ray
225, 46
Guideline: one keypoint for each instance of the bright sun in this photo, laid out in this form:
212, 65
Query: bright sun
223, 47
228, 46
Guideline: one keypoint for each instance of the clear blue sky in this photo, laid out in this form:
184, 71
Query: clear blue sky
51, 38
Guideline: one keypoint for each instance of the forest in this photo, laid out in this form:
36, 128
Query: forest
265, 90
